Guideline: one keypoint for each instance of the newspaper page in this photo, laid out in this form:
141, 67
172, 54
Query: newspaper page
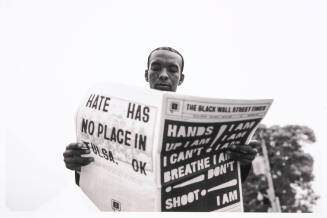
197, 174
118, 124
157, 151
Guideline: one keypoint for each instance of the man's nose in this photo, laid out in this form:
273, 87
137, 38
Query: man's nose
163, 75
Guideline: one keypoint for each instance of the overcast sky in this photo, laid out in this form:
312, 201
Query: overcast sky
53, 51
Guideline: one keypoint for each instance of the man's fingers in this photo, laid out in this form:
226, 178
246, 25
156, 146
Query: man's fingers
238, 156
244, 161
245, 158
76, 146
72, 156
72, 146
244, 149
72, 153
254, 143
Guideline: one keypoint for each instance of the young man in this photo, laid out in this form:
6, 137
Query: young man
165, 72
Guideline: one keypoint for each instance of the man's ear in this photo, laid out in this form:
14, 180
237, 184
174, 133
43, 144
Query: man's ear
146, 75
181, 79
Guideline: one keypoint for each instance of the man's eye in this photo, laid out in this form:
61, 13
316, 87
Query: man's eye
173, 69
155, 67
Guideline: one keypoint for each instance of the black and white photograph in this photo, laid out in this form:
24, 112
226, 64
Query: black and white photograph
163, 106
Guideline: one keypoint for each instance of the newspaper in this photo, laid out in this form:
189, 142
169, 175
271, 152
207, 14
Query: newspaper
160, 151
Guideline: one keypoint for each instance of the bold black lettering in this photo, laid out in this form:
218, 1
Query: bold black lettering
104, 152
84, 125
94, 148
142, 167
138, 166
113, 134
111, 157
127, 138
142, 142
138, 113
100, 129
89, 102
146, 111
102, 97
120, 134
130, 111
95, 102
135, 165
87, 126
105, 133
87, 144
106, 104
91, 127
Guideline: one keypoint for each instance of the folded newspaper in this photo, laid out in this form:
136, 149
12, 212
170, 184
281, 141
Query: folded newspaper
161, 151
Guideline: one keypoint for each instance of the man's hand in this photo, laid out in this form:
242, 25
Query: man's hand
243, 153
73, 158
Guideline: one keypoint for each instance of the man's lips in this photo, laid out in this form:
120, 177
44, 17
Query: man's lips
163, 86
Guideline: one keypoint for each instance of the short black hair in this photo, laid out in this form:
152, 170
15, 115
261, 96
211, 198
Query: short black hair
167, 49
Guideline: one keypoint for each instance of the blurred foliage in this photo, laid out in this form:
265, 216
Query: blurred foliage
291, 170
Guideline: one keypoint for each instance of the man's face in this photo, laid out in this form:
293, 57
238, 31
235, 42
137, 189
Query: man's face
164, 71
